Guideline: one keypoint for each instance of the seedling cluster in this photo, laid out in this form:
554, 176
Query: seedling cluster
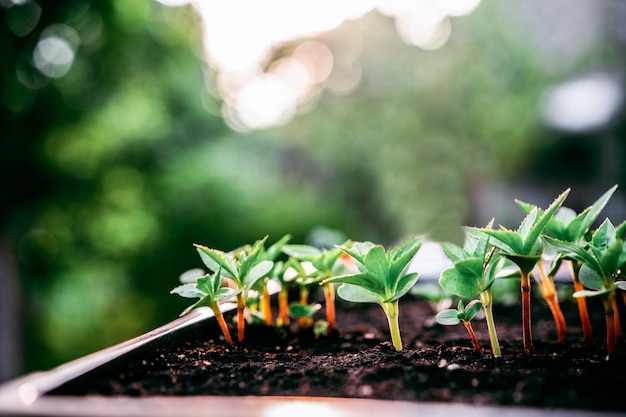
364, 272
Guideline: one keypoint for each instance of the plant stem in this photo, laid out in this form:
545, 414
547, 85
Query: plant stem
548, 291
283, 307
582, 302
329, 296
470, 329
305, 322
220, 320
241, 305
610, 323
266, 308
526, 324
391, 310
487, 301
616, 320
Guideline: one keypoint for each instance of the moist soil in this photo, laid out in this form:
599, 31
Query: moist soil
438, 363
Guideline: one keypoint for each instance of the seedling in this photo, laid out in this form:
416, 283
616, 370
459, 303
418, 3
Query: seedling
473, 274
602, 260
524, 247
462, 314
381, 279
327, 264
211, 291
261, 285
244, 266
567, 226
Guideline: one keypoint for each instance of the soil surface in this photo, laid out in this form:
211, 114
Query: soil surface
438, 362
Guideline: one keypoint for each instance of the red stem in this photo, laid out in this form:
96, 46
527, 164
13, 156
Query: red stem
470, 329
526, 323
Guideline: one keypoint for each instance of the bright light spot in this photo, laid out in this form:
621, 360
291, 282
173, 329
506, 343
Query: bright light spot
243, 37
54, 54
295, 74
345, 78
302, 409
263, 102
583, 104
317, 58
458, 7
425, 26
28, 393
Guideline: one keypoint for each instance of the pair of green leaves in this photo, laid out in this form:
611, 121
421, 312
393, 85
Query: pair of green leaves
209, 288
462, 313
602, 258
381, 278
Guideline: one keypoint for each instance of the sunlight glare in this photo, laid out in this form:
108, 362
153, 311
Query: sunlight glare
242, 38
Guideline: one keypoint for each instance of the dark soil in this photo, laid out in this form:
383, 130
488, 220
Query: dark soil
437, 364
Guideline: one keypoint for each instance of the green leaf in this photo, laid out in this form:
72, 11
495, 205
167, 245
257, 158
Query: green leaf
274, 250
590, 215
610, 260
302, 252
527, 224
188, 290
404, 286
472, 309
506, 240
366, 280
251, 259
257, 272
402, 256
542, 221
464, 279
448, 317
225, 293
604, 235
621, 285
303, 310
357, 294
590, 278
376, 262
215, 259
454, 252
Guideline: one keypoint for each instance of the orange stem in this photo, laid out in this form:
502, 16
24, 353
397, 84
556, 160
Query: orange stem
582, 303
283, 307
470, 329
329, 296
610, 323
266, 307
220, 320
616, 319
241, 305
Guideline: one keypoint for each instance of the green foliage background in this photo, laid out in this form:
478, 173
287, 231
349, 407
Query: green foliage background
111, 173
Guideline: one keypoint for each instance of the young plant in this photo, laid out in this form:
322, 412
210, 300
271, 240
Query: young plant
262, 284
602, 260
382, 278
462, 314
210, 290
327, 263
244, 266
524, 247
473, 274
567, 226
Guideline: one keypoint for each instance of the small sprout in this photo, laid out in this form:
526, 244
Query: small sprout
462, 314
601, 259
327, 263
524, 247
210, 290
473, 273
381, 280
567, 226
244, 266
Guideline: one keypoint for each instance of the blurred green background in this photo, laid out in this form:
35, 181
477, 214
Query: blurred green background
118, 152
